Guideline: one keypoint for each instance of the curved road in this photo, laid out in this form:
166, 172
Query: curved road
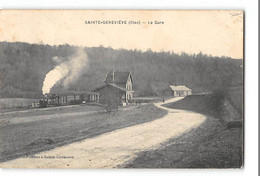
115, 148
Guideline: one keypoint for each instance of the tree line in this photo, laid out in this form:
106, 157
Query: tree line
24, 66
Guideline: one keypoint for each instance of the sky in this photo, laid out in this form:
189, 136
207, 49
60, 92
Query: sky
216, 33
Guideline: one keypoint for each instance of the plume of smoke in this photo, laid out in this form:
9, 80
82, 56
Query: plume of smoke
67, 72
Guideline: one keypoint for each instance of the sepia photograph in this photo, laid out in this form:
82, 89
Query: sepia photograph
119, 89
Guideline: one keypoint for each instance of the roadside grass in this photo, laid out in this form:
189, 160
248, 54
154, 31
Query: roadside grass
236, 97
217, 105
147, 99
211, 145
208, 146
18, 140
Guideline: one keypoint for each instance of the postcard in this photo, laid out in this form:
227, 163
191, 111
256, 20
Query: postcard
121, 89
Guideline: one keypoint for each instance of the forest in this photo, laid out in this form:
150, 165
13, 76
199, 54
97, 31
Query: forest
24, 66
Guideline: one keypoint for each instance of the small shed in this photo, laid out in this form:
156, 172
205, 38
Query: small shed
180, 90
111, 94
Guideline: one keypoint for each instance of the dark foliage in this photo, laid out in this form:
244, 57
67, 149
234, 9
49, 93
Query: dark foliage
24, 66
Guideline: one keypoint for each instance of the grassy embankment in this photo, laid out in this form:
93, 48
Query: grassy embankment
65, 126
214, 144
7, 104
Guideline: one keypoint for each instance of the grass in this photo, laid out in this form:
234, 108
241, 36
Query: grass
211, 145
217, 105
48, 111
6, 103
17, 140
147, 99
236, 97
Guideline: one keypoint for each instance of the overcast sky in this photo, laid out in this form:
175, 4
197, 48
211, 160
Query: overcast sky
217, 33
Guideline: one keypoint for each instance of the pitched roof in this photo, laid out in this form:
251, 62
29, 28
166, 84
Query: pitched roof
109, 84
119, 77
117, 86
179, 87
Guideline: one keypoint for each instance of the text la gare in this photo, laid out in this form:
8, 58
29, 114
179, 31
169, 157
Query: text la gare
155, 22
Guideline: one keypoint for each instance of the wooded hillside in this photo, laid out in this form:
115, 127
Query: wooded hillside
24, 66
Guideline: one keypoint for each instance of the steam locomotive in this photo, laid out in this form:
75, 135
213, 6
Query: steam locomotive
49, 100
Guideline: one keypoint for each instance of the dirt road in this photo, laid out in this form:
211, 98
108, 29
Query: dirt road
115, 148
